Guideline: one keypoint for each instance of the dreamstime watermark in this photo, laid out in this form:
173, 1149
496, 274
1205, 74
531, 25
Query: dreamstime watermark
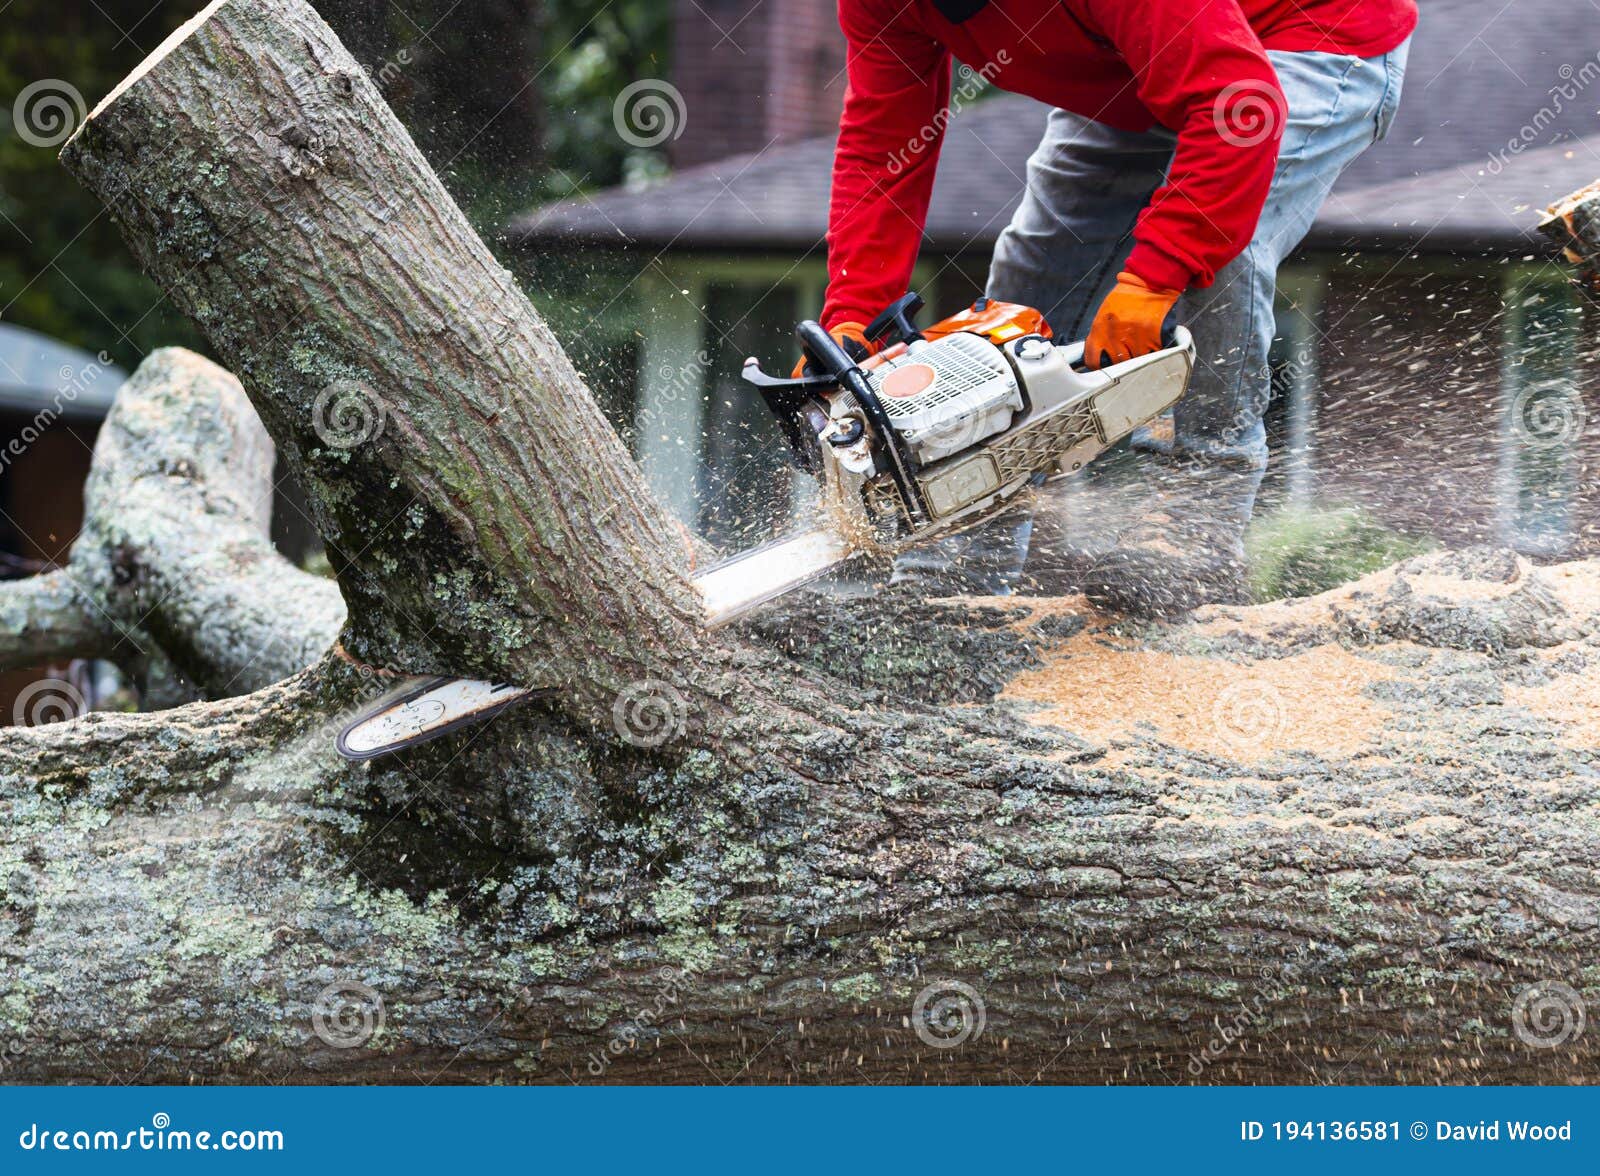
1549, 415
683, 381
347, 1014
973, 83
18, 1047
642, 1024
46, 112
649, 112
1248, 113
1573, 81
1547, 1014
159, 1136
649, 713
390, 69
1250, 1016
1247, 714
49, 700
347, 413
72, 383
948, 1013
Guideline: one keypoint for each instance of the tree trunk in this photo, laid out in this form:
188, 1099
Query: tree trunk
481, 515
849, 864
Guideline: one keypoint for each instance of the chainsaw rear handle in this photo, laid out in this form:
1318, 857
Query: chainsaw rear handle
1172, 338
893, 324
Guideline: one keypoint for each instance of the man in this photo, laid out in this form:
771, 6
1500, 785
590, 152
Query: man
1192, 143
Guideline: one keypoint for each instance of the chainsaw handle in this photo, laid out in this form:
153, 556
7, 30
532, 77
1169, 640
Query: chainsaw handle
824, 350
897, 317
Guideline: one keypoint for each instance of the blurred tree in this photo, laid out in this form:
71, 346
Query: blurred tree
63, 267
597, 48
510, 100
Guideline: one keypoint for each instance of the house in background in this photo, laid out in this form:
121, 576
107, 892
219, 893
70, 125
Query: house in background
1431, 353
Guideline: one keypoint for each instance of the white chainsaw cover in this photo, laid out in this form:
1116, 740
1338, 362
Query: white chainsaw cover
944, 396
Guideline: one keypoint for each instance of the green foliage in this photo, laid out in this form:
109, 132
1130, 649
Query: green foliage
63, 268
594, 48
511, 103
1298, 551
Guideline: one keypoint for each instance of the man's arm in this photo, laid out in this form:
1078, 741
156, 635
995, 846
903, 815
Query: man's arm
895, 109
1201, 70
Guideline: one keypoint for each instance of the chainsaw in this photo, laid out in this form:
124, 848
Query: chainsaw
936, 432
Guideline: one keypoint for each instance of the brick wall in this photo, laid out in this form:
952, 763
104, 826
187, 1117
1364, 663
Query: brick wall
755, 72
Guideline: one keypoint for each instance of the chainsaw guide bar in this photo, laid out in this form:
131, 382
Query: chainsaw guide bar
422, 709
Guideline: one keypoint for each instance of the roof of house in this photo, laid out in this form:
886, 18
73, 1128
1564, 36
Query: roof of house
39, 373
1494, 205
1485, 78
1481, 74
778, 199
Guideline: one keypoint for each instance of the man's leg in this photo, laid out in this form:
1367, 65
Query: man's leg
1086, 185
1188, 549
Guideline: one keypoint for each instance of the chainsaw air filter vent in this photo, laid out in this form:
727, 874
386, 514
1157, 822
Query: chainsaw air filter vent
944, 396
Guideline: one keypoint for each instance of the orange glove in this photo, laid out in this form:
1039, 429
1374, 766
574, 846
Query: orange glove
851, 336
1128, 323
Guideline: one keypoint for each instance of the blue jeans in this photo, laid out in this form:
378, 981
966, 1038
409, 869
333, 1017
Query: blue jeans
1087, 183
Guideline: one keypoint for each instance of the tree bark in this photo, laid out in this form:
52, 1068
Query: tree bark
44, 619
849, 841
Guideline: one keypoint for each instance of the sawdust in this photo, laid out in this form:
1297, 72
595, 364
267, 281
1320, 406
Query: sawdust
1111, 688
1571, 702
1576, 585
1106, 690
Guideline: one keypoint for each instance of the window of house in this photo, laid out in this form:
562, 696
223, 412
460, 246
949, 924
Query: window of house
744, 479
1543, 414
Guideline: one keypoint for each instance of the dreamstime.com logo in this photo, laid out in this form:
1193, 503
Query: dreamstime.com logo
649, 713
159, 1136
71, 384
348, 1014
1549, 415
972, 84
649, 112
1247, 715
1247, 113
948, 1013
347, 413
49, 700
1547, 1014
46, 112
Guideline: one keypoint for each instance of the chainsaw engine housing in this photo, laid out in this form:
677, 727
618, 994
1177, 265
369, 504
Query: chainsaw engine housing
944, 395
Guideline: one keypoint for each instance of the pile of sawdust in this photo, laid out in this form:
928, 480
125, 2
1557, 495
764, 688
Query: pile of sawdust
1103, 689
1572, 702
1107, 688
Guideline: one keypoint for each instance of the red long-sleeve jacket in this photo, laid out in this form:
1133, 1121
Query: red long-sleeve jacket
1198, 67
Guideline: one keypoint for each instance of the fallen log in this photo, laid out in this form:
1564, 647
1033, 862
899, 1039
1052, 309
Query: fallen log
1358, 847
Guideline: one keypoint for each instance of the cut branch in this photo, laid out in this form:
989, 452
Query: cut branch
173, 574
